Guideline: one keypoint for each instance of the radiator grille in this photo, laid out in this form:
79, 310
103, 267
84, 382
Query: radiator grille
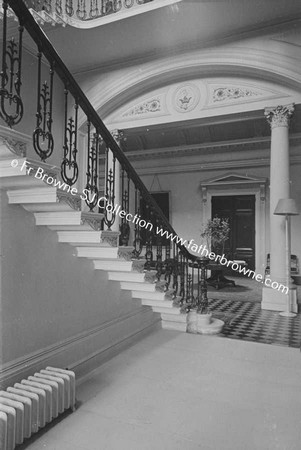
31, 404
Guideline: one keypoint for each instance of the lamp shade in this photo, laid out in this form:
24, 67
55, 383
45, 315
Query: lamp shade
286, 207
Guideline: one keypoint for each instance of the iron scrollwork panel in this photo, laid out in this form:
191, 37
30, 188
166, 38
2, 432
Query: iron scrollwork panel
125, 204
149, 235
137, 243
69, 166
43, 141
110, 210
92, 168
11, 104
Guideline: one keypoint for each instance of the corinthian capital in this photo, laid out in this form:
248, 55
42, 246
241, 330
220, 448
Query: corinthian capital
279, 116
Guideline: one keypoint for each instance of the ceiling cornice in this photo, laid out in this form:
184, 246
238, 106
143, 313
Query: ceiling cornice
260, 143
208, 166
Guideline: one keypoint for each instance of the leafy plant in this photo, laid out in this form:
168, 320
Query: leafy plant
216, 232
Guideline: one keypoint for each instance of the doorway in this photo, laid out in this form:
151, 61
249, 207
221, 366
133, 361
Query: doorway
240, 211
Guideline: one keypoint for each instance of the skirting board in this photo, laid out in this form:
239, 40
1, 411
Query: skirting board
83, 352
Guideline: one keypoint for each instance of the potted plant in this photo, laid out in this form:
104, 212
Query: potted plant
216, 233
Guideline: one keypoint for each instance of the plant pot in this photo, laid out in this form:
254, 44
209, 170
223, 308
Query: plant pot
204, 320
192, 322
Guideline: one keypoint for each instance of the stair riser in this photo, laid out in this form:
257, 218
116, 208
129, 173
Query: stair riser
68, 218
145, 287
127, 276
163, 310
160, 296
79, 238
47, 207
124, 266
97, 253
37, 195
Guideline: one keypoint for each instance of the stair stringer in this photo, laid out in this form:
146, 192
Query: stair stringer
62, 213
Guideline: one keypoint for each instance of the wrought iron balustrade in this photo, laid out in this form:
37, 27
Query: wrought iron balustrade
115, 189
71, 11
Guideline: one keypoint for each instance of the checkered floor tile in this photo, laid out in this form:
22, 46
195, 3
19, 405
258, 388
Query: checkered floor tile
247, 321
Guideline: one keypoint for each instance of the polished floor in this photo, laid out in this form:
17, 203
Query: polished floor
177, 391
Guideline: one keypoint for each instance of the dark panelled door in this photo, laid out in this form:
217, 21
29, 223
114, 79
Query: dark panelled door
240, 210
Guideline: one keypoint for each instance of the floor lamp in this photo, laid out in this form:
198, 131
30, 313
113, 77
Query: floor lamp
287, 207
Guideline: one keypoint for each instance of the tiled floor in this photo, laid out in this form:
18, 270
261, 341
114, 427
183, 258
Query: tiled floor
178, 391
239, 307
247, 321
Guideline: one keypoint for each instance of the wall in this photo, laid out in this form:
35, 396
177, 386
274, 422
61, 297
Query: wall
55, 308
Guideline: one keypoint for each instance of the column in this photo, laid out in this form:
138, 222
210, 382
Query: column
278, 119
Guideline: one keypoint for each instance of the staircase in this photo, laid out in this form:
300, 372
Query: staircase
100, 165
63, 214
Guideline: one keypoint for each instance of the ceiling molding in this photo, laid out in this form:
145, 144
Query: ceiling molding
190, 150
209, 166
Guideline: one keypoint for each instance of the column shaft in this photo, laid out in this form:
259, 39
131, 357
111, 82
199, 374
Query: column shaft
278, 118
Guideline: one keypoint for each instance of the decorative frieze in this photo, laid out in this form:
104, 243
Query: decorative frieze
279, 116
149, 106
229, 93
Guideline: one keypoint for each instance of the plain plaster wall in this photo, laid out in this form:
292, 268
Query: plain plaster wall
49, 296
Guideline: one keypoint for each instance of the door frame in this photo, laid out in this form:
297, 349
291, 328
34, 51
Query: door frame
238, 185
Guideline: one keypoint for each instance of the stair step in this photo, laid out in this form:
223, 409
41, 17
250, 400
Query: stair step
80, 237
17, 178
174, 322
34, 195
117, 265
143, 286
76, 228
164, 310
58, 218
127, 276
44, 199
157, 303
160, 296
97, 252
